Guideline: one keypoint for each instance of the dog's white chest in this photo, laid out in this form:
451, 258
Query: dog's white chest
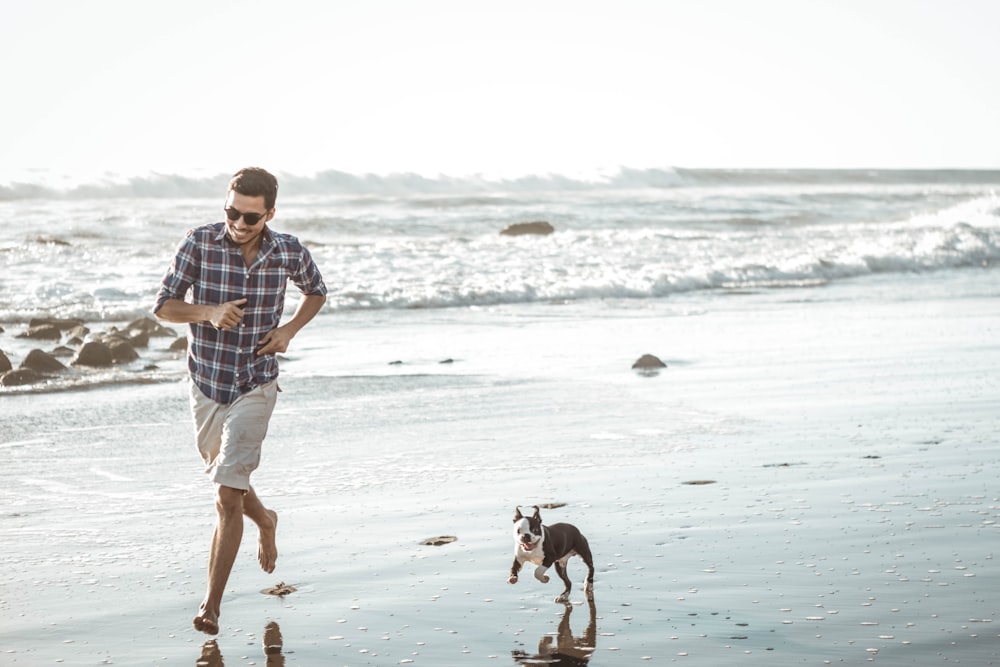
536, 555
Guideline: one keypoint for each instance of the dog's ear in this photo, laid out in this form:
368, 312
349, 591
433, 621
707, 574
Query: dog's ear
517, 514
537, 514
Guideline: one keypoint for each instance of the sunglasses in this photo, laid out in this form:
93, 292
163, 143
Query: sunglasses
249, 218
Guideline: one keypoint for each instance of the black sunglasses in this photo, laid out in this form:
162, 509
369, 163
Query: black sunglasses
249, 218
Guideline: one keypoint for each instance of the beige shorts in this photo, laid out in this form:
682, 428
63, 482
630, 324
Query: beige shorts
229, 437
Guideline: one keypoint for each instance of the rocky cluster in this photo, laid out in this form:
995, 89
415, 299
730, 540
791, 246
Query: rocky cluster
76, 346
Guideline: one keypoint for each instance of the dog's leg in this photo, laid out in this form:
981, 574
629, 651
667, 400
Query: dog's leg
583, 551
514, 569
540, 573
561, 571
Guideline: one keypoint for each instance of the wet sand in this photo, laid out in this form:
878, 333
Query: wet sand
845, 512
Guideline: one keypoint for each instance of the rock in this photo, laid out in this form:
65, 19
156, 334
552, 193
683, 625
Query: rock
122, 351
151, 327
19, 377
63, 351
138, 337
5, 364
518, 229
179, 345
94, 353
78, 332
648, 361
41, 332
60, 323
43, 362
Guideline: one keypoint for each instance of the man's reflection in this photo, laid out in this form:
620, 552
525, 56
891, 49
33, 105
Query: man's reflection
568, 650
211, 656
272, 646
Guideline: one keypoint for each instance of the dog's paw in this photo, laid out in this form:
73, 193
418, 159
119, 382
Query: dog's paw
512, 579
564, 599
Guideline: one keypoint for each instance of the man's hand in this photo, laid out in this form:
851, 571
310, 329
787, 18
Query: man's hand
227, 315
274, 341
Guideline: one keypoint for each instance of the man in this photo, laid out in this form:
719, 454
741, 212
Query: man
227, 281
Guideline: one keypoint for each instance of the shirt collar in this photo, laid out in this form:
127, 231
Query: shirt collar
223, 237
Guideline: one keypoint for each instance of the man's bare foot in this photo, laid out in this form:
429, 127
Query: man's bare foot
207, 621
267, 548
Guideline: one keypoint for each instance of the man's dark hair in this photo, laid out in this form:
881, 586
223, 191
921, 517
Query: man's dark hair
256, 182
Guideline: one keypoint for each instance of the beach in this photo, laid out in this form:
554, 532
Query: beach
810, 480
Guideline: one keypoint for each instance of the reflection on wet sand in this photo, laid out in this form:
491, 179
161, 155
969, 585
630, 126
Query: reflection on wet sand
211, 656
272, 646
568, 650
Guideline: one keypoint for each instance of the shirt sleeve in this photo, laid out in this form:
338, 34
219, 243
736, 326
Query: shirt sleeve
308, 278
182, 272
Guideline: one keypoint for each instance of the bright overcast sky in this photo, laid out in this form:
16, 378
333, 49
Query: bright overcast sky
512, 87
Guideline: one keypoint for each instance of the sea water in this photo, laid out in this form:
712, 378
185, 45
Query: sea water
393, 244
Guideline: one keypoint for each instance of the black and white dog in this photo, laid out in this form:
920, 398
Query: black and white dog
546, 546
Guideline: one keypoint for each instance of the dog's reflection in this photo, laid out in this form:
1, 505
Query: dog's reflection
211, 656
565, 649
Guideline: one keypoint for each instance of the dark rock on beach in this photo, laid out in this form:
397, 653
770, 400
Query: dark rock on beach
95, 354
19, 377
78, 333
647, 362
42, 332
43, 362
122, 351
5, 364
138, 338
179, 345
151, 327
540, 228
61, 323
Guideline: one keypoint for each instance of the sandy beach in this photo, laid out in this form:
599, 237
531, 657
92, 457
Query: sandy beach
818, 489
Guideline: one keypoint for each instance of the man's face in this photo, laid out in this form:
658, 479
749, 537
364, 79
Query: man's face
239, 231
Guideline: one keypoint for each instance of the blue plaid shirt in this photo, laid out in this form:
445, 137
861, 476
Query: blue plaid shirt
224, 364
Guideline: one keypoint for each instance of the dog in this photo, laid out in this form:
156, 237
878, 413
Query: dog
546, 546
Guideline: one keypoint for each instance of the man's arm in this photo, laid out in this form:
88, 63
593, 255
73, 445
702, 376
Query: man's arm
222, 316
277, 340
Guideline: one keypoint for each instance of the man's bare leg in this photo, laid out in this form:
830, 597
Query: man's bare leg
225, 545
267, 525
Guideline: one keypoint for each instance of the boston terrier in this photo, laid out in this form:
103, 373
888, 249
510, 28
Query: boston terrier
546, 546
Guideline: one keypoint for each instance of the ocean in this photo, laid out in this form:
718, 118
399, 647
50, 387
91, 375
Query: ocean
96, 249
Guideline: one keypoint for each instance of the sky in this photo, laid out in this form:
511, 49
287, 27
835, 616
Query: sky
498, 88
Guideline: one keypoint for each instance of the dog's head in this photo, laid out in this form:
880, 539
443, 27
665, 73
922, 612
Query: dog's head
528, 530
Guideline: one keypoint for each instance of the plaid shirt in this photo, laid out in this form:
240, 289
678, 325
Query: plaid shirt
224, 364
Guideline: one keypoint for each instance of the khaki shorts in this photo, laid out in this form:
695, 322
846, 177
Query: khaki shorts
229, 437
